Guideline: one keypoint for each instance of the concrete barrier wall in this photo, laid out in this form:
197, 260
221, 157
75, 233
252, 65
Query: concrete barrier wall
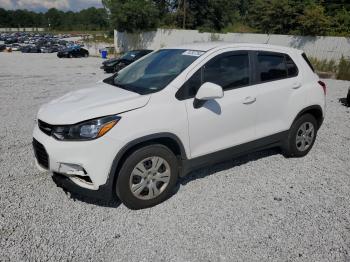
24, 29
321, 47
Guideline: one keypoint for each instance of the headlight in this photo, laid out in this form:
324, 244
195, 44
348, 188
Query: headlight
86, 130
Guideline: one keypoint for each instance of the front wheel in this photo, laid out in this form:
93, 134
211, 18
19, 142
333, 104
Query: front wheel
301, 137
147, 177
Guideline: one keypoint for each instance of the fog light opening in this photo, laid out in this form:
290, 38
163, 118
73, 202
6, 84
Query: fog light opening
72, 169
86, 179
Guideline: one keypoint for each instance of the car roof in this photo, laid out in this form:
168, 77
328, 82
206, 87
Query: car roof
206, 46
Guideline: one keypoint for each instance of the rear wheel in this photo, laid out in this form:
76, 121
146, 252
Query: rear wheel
147, 177
301, 137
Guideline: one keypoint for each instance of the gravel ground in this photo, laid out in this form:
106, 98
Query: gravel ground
261, 207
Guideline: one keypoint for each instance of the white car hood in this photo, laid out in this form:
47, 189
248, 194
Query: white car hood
89, 103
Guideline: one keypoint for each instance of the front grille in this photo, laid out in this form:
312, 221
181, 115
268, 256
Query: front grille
40, 153
45, 127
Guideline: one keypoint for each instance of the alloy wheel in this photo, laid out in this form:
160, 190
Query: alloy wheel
149, 178
305, 136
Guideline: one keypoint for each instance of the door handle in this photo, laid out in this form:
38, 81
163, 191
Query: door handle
249, 100
296, 85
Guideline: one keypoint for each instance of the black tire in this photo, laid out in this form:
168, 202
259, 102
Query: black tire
290, 146
123, 187
70, 56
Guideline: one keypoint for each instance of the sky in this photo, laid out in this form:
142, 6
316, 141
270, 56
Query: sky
43, 5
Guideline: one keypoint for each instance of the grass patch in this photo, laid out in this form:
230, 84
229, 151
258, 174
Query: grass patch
344, 69
340, 70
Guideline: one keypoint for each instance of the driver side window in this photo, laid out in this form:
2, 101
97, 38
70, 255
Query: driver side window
229, 70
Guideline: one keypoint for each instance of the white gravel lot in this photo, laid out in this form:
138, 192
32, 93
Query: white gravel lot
261, 207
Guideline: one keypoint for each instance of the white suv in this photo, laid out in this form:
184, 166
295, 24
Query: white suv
175, 110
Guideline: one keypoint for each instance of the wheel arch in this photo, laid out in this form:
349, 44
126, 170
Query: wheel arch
314, 110
169, 140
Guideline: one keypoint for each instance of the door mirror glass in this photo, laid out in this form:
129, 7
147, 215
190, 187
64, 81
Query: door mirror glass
209, 91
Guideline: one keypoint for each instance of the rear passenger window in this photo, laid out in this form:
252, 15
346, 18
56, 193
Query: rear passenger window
271, 67
229, 71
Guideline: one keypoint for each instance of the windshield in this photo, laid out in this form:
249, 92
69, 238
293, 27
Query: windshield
155, 71
130, 55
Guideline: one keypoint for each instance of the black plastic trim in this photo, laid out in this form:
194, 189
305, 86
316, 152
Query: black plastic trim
233, 152
313, 107
121, 153
41, 154
104, 192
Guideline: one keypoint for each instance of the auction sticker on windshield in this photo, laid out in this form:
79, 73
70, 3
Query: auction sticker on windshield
193, 53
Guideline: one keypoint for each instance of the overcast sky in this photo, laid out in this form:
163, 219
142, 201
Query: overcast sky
42, 5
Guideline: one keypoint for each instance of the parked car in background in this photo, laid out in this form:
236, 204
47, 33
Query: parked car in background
51, 49
35, 42
31, 49
73, 52
15, 47
176, 110
2, 48
115, 64
348, 98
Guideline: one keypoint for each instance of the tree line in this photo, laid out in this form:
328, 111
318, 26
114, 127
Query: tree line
87, 19
301, 17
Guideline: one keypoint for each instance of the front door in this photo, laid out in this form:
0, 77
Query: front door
229, 121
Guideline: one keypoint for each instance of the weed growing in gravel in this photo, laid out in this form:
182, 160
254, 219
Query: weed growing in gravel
344, 69
340, 70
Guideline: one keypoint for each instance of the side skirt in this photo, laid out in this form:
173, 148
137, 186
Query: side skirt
276, 140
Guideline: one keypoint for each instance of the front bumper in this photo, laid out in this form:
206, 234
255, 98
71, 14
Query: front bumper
104, 192
95, 157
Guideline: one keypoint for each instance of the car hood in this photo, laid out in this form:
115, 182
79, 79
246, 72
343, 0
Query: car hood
89, 103
109, 61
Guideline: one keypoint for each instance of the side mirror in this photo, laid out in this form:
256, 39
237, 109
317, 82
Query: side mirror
209, 91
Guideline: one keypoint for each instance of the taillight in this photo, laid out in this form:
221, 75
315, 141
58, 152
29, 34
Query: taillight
324, 87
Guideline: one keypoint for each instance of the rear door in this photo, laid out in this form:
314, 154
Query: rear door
278, 81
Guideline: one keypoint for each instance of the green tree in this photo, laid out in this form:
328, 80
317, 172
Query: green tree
5, 18
54, 18
208, 15
332, 7
132, 15
314, 21
341, 22
92, 18
272, 16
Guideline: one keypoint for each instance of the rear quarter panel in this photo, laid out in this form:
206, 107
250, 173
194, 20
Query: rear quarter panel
311, 89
